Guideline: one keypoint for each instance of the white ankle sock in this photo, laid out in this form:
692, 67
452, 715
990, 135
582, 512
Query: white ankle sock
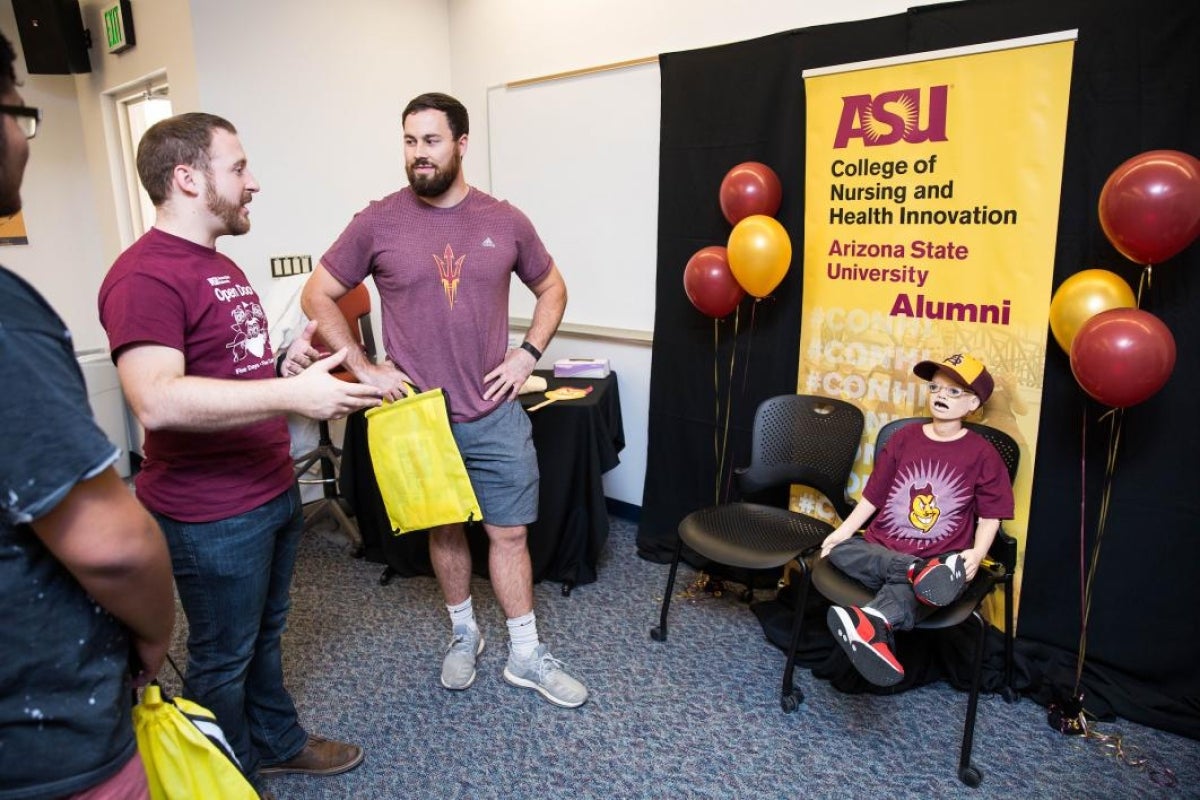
522, 632
462, 615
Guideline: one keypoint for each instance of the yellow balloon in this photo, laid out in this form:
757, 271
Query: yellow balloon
1081, 297
760, 253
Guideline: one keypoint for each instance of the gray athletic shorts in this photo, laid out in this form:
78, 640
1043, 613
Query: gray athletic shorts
498, 451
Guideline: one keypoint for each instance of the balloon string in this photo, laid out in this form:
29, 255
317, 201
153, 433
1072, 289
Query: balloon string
1144, 281
1082, 518
1116, 417
1129, 755
717, 408
750, 345
729, 407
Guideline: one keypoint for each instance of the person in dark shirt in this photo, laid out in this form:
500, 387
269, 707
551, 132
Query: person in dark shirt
85, 577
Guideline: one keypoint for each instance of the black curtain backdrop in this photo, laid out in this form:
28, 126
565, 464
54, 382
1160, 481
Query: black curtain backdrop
1135, 87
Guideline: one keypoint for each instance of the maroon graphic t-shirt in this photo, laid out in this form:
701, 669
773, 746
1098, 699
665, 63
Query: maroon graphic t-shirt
929, 494
443, 276
169, 291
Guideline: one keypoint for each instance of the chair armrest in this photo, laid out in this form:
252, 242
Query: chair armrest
1004, 551
752, 490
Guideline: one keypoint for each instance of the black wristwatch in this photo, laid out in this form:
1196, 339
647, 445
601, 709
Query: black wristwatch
533, 351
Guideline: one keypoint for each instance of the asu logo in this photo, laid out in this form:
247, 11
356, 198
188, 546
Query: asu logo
451, 270
924, 511
892, 117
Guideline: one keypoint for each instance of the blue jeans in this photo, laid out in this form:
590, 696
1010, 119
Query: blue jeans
234, 577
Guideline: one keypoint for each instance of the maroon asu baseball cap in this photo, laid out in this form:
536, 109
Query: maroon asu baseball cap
969, 371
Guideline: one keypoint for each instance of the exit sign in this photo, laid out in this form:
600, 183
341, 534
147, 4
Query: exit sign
118, 27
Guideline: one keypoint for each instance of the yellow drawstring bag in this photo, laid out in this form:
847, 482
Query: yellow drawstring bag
420, 472
184, 751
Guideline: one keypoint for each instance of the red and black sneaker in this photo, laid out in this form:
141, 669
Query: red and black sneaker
866, 637
938, 581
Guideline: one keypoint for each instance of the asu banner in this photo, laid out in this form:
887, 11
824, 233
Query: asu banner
931, 207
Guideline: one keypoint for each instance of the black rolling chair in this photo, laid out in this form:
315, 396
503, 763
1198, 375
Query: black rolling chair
355, 306
797, 439
995, 571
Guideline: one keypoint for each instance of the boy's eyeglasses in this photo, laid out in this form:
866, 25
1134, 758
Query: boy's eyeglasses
953, 392
27, 118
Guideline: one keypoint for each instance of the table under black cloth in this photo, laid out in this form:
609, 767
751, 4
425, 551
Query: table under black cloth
577, 441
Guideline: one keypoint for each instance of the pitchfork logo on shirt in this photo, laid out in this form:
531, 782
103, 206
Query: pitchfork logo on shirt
450, 269
927, 502
249, 331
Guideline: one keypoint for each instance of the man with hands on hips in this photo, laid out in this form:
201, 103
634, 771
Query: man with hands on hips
442, 253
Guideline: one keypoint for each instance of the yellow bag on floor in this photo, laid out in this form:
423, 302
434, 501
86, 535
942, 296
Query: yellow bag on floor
419, 470
184, 751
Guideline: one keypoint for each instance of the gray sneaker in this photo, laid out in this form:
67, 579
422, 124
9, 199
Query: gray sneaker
545, 673
458, 667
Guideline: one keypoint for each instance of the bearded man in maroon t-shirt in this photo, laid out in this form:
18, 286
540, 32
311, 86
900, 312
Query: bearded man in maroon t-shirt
442, 254
189, 337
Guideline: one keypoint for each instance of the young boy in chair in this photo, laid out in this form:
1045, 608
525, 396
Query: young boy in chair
941, 491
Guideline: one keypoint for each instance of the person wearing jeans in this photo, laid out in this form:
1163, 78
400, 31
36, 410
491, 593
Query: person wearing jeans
190, 340
233, 577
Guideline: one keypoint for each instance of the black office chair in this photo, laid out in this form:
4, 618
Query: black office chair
995, 571
797, 439
355, 306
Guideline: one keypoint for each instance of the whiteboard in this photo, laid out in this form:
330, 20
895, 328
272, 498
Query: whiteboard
579, 155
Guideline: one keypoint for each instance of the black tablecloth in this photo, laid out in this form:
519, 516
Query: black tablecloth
577, 441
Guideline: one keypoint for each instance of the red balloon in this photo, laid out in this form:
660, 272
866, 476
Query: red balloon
750, 188
709, 284
1121, 357
1150, 205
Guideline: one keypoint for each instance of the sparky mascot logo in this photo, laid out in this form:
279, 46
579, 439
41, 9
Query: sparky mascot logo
451, 270
892, 117
924, 511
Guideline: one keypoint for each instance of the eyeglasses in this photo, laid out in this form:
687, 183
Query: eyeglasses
27, 118
953, 392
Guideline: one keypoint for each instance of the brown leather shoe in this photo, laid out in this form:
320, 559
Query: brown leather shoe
320, 756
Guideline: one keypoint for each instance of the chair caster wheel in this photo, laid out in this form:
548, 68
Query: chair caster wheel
789, 703
970, 776
1009, 694
386, 577
357, 552
658, 634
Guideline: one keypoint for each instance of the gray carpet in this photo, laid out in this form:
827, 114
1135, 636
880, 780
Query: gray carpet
695, 717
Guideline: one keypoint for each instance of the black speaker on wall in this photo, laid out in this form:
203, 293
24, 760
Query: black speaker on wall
52, 36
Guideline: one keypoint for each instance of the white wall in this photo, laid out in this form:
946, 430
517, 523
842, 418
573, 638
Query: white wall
64, 258
73, 192
499, 41
316, 90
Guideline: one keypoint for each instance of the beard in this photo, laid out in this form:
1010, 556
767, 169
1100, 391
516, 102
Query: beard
229, 213
10, 200
439, 182
12, 170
